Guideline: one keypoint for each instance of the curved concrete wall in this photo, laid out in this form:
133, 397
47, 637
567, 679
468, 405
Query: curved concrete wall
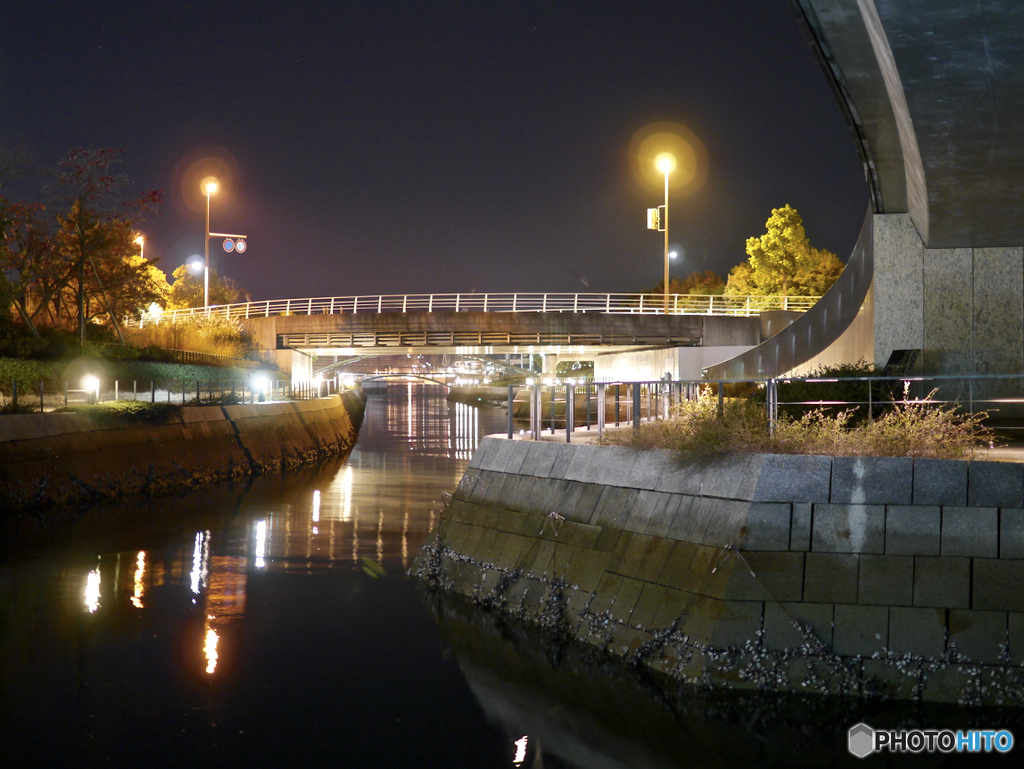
47, 459
845, 575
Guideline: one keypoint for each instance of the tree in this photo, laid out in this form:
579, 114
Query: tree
783, 262
707, 282
187, 290
96, 234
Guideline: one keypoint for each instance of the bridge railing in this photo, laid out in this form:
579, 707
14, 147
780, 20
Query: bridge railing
647, 304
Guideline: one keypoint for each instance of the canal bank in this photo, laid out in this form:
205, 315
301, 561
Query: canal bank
889, 577
48, 459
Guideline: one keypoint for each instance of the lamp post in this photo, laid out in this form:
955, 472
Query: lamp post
208, 189
195, 265
666, 163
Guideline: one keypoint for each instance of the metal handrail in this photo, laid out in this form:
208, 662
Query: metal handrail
620, 304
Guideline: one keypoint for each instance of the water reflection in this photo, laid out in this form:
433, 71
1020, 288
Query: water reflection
215, 623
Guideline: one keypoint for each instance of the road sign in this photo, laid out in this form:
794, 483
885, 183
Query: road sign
240, 246
229, 245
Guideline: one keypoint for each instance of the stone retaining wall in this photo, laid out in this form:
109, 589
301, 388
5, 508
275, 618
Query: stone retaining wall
869, 576
61, 458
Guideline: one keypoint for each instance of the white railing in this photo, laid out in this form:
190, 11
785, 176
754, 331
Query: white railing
647, 304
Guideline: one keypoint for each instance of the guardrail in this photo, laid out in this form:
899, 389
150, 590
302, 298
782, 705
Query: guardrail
647, 304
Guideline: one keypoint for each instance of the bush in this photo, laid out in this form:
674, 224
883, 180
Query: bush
127, 412
913, 428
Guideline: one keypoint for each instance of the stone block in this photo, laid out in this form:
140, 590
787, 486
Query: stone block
848, 528
649, 505
860, 630
607, 590
995, 484
1015, 627
579, 500
886, 580
497, 454
586, 569
918, 631
814, 619
978, 634
629, 559
671, 609
998, 585
913, 530
517, 456
940, 482
1011, 533
678, 564
684, 476
891, 680
780, 574
686, 518
731, 477
481, 452
947, 684
614, 507
761, 577
792, 478
767, 527
655, 556
647, 606
649, 467
800, 527
970, 531
872, 480
625, 599
465, 488
942, 582
573, 533
563, 459
830, 577
722, 623
608, 465
539, 459
662, 522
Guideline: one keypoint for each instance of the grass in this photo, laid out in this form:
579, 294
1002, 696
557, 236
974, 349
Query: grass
127, 412
912, 427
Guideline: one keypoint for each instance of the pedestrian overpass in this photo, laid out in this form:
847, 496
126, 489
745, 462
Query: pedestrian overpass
296, 332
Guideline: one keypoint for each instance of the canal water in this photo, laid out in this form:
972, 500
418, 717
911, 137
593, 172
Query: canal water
273, 625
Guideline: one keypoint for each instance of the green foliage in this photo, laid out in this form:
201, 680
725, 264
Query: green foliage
911, 428
188, 290
703, 283
782, 262
127, 412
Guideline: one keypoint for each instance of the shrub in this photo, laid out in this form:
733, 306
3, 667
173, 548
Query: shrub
914, 427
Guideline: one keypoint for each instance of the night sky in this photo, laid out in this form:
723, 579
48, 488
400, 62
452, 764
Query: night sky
400, 146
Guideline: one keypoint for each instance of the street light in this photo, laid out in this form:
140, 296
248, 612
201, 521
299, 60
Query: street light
666, 164
208, 189
196, 265
141, 243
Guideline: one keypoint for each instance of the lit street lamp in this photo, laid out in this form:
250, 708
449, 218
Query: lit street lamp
666, 163
208, 189
196, 265
141, 243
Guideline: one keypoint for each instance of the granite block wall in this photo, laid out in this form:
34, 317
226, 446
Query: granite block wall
866, 576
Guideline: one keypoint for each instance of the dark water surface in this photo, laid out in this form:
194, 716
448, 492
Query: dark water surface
274, 626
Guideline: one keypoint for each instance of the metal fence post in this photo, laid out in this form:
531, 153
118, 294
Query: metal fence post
600, 409
636, 405
570, 411
510, 395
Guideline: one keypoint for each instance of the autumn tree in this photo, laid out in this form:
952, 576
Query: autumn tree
707, 282
187, 290
96, 234
783, 262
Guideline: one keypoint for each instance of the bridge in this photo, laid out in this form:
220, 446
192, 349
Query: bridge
933, 91
560, 326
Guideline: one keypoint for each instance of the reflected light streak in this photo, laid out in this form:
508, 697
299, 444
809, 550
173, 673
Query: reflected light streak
520, 744
210, 647
200, 561
92, 590
140, 571
346, 494
316, 506
261, 544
